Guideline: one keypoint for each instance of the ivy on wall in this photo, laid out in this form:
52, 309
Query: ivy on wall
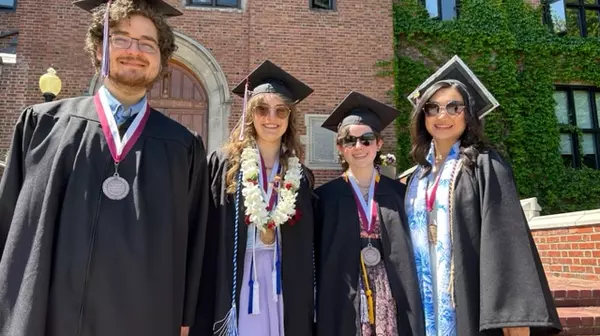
519, 60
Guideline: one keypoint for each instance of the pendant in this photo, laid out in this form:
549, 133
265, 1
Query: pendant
371, 255
267, 237
115, 187
432, 233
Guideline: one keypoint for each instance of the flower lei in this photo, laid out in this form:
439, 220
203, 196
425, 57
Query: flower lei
257, 209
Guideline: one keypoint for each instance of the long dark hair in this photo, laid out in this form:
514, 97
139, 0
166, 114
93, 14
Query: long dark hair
471, 141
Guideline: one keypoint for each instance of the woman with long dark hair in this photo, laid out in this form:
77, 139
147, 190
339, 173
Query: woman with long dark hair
478, 269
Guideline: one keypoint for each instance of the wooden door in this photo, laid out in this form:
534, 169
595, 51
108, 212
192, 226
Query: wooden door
180, 95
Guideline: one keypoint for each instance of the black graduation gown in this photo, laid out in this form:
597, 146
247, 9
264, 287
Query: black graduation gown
499, 278
75, 263
338, 248
296, 265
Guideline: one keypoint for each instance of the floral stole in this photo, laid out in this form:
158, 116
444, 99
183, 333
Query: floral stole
440, 321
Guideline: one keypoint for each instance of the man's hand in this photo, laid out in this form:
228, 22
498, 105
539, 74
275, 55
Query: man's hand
186, 330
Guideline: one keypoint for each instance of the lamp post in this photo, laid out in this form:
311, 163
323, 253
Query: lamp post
50, 85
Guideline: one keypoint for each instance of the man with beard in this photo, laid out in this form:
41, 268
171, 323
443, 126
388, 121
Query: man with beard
102, 203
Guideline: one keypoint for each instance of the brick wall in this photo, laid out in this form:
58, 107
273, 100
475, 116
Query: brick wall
570, 252
332, 51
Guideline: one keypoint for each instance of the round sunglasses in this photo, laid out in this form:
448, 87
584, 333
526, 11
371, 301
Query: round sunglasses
453, 108
281, 111
366, 140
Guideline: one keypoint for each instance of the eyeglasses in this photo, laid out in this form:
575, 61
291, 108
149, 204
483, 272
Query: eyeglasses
366, 140
124, 42
281, 111
453, 108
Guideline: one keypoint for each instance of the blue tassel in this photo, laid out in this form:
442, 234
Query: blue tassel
228, 326
251, 299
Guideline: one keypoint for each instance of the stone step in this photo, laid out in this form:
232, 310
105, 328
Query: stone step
575, 292
580, 320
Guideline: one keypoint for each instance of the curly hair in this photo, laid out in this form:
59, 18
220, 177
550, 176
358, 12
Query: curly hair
290, 140
343, 132
472, 139
120, 10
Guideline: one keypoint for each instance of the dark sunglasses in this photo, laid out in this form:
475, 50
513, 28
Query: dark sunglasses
281, 112
453, 108
366, 140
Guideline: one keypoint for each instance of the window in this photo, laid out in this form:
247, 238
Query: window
441, 9
578, 106
573, 17
8, 4
214, 3
321, 4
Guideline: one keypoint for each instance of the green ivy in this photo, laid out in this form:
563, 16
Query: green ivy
519, 60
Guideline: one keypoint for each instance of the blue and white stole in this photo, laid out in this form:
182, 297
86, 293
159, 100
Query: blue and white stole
434, 284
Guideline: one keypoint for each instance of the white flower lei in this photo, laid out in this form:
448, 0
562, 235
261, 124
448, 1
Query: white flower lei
287, 191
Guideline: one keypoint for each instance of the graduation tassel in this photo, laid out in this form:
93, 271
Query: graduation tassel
314, 286
105, 55
364, 311
244, 110
228, 326
368, 292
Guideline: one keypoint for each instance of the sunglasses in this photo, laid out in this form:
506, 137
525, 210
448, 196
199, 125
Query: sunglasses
453, 108
281, 112
366, 140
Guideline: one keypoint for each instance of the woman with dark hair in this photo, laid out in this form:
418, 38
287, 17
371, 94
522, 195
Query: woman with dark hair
478, 269
260, 236
366, 278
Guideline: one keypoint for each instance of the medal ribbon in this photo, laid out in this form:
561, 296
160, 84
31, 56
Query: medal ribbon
430, 198
362, 204
266, 186
119, 147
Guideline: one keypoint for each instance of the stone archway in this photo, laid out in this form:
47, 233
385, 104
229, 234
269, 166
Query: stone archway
201, 63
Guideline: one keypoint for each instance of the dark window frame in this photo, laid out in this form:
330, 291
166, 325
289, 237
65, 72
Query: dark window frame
9, 8
313, 4
214, 4
593, 95
440, 11
581, 8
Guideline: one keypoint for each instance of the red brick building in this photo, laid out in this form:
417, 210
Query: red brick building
334, 49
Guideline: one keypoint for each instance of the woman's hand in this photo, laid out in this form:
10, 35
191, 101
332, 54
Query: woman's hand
521, 331
185, 331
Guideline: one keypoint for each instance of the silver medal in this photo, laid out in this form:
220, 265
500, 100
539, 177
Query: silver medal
371, 255
115, 187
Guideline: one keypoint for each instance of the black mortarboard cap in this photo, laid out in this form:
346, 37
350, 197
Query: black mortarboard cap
269, 78
160, 5
456, 69
357, 108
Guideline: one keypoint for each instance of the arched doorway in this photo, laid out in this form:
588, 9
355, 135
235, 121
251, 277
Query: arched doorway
180, 95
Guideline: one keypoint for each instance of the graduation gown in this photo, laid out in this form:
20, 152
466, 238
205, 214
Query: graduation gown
338, 248
75, 263
499, 278
296, 264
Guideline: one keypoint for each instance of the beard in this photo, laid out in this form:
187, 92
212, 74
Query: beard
133, 79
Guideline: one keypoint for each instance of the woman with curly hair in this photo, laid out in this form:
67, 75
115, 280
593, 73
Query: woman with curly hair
478, 269
103, 202
261, 220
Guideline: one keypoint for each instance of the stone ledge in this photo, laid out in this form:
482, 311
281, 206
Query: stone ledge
570, 219
8, 58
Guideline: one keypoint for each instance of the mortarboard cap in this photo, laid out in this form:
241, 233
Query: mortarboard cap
269, 78
160, 6
357, 108
456, 69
